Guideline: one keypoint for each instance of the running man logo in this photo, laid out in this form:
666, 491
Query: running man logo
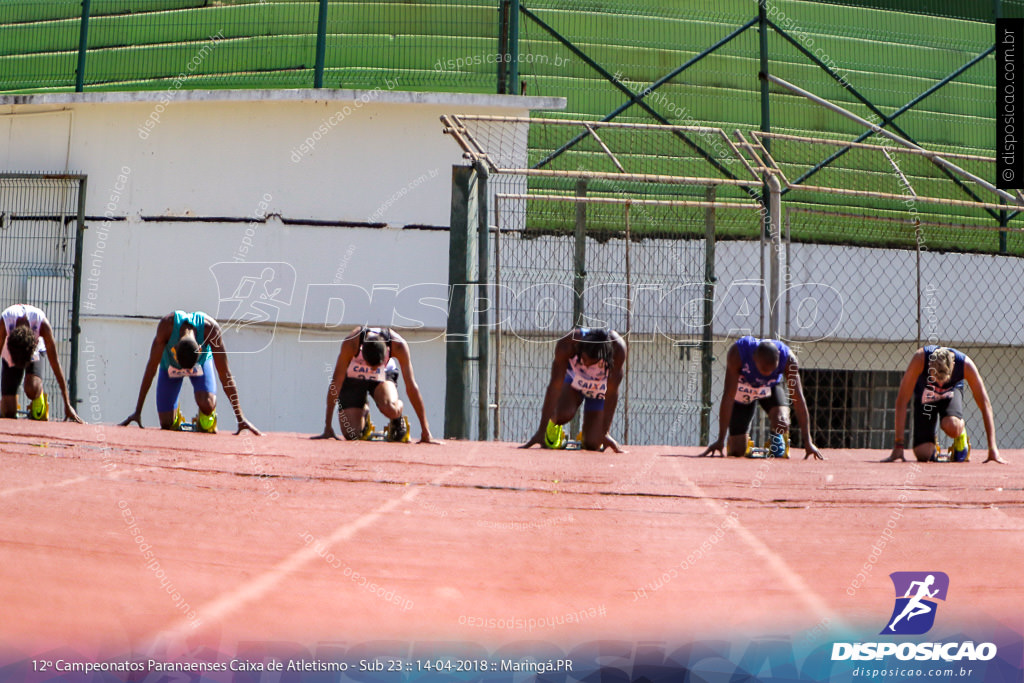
915, 608
251, 295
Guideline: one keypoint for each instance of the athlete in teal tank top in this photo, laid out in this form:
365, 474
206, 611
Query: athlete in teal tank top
188, 345
197, 321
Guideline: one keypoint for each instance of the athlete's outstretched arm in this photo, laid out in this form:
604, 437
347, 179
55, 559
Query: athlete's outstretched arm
227, 380
563, 351
348, 350
732, 380
46, 332
400, 352
163, 335
611, 396
913, 371
796, 388
977, 386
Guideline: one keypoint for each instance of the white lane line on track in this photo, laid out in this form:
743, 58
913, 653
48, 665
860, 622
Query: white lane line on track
253, 590
47, 485
783, 571
78, 480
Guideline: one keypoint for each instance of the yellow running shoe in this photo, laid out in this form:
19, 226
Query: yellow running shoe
961, 454
554, 437
205, 423
40, 408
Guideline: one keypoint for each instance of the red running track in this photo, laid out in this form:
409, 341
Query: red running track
287, 539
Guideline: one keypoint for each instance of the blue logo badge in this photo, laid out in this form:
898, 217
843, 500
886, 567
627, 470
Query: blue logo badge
915, 608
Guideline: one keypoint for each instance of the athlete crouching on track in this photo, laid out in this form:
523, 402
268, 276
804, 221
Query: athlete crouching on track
368, 365
188, 345
587, 369
755, 369
26, 338
939, 399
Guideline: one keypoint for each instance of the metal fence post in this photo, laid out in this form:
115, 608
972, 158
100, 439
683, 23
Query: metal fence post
762, 24
707, 353
503, 10
579, 277
83, 43
775, 277
76, 296
513, 46
321, 45
483, 332
461, 273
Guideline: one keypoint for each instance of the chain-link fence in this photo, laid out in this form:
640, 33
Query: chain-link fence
41, 224
854, 315
685, 265
643, 267
886, 302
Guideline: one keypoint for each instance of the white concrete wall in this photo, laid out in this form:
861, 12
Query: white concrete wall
285, 161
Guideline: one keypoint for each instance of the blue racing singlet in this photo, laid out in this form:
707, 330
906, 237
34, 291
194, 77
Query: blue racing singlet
752, 384
927, 392
198, 321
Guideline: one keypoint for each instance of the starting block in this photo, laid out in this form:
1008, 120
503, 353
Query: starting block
762, 451
371, 434
27, 412
180, 425
947, 456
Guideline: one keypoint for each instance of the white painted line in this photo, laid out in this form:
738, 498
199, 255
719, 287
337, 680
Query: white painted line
786, 574
39, 487
234, 600
78, 480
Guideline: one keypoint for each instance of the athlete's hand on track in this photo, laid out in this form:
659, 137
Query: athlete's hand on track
536, 439
245, 424
328, 434
813, 450
134, 417
611, 443
897, 454
426, 438
71, 416
716, 446
993, 456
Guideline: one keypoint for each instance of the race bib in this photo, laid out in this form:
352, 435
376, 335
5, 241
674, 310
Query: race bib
175, 373
591, 388
748, 394
360, 371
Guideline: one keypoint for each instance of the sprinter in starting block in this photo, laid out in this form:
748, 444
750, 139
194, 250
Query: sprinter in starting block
587, 370
26, 339
188, 345
755, 372
368, 365
935, 378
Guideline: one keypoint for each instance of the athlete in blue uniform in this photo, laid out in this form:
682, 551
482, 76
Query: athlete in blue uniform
188, 345
587, 369
935, 378
368, 365
755, 372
